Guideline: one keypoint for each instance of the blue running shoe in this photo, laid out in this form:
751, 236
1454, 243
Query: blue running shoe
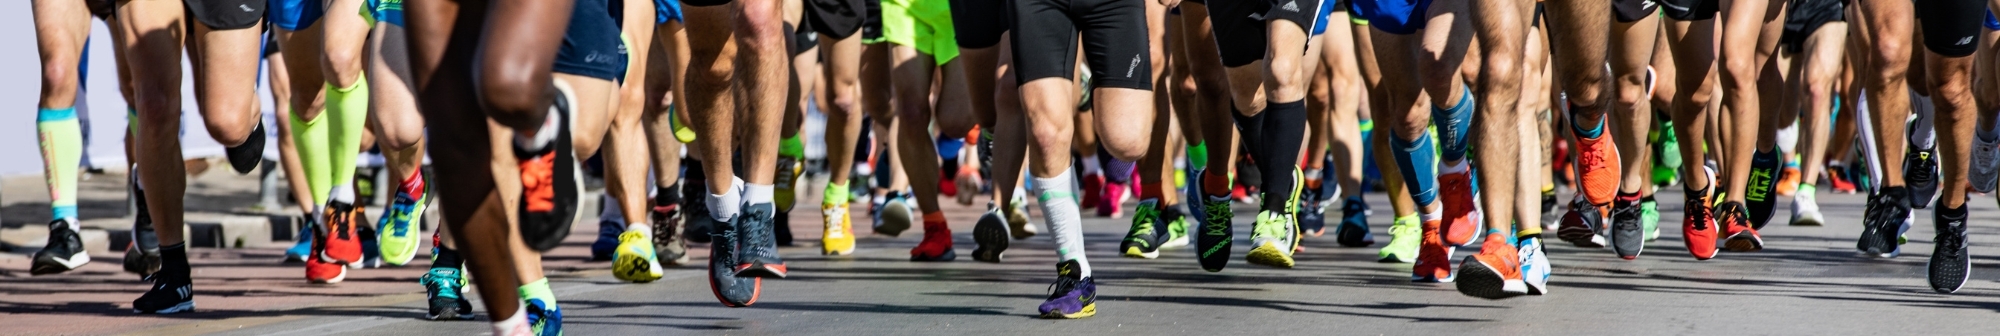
443, 287
607, 240
300, 251
1353, 229
1072, 296
544, 318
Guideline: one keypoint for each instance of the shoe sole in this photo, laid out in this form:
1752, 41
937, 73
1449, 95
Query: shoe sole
1343, 237
839, 252
1966, 265
176, 308
1476, 279
1395, 258
757, 286
1815, 219
1580, 234
895, 218
336, 278
1176, 242
45, 264
1269, 254
637, 270
449, 317
992, 239
1087, 311
758, 269
1743, 242
1136, 252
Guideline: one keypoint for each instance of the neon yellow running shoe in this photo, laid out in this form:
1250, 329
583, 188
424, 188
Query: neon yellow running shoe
400, 232
1275, 236
681, 131
635, 260
1406, 234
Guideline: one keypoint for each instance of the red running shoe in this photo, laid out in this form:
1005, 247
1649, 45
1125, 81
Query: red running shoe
1093, 187
937, 241
1698, 225
342, 241
1597, 167
1461, 215
324, 273
1494, 273
1738, 235
1433, 256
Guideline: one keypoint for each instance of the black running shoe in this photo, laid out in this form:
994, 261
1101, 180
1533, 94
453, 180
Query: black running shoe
1353, 229
1951, 259
142, 257
1312, 213
1550, 214
1148, 232
1920, 172
695, 204
1883, 221
667, 221
759, 249
551, 184
171, 293
245, 157
1581, 225
732, 290
991, 234
1215, 235
781, 229
443, 290
63, 252
1628, 234
1760, 196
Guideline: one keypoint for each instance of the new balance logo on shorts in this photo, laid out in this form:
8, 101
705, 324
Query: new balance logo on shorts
1964, 41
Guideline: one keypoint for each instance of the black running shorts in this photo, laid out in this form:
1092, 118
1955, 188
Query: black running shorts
1240, 29
1113, 33
226, 14
1690, 10
592, 47
1951, 27
1806, 17
1627, 11
799, 40
979, 22
836, 19
871, 22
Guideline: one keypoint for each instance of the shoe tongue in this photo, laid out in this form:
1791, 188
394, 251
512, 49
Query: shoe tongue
1069, 269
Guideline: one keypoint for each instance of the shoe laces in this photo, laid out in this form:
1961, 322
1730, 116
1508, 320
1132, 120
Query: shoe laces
834, 214
537, 182
754, 235
1699, 213
1591, 158
1143, 220
1270, 225
1063, 285
1951, 238
1217, 212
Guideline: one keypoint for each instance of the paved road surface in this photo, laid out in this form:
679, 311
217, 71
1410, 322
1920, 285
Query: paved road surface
1808, 281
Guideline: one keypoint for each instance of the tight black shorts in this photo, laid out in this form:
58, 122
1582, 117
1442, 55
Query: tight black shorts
1627, 11
979, 22
1690, 10
799, 40
591, 47
1113, 33
226, 14
1806, 17
871, 22
1239, 33
837, 19
1951, 27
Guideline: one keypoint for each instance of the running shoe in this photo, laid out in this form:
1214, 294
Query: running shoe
1143, 240
784, 192
1985, 164
681, 130
142, 256
837, 233
1839, 179
1788, 179
1760, 196
1698, 223
1551, 217
1353, 229
694, 195
1597, 162
1739, 235
303, 249
1274, 237
1649, 217
1535, 268
371, 250
759, 250
607, 240
1494, 273
1072, 296
1113, 205
551, 182
1405, 235
1951, 258
1312, 212
893, 216
1920, 172
63, 252
339, 241
968, 182
172, 292
1882, 222
544, 317
444, 290
1216, 234
636, 260
402, 228
732, 290
667, 234
1582, 224
1177, 226
936, 245
1433, 256
247, 155
991, 235
1461, 214
781, 228
1018, 224
1093, 191
1628, 232
1805, 210
319, 272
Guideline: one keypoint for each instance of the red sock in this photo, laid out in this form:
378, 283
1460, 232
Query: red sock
1215, 184
414, 185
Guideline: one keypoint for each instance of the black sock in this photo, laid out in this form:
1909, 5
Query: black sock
174, 260
668, 195
447, 258
1250, 126
1283, 134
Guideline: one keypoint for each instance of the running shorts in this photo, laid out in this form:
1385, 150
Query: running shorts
1319, 24
1806, 17
979, 22
1627, 11
1991, 22
1951, 27
799, 40
1113, 33
227, 14
390, 11
837, 19
102, 9
922, 24
592, 47
1400, 17
1242, 37
871, 22
667, 10
293, 15
1690, 10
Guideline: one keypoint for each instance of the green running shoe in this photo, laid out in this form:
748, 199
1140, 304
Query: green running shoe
1144, 239
401, 231
1405, 235
1274, 237
1177, 227
1649, 217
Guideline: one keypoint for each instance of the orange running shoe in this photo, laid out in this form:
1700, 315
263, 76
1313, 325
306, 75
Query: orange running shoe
1597, 167
1433, 256
1698, 225
341, 240
1461, 214
1494, 273
1789, 184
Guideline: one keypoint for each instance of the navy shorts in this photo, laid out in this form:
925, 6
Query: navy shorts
293, 15
592, 46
